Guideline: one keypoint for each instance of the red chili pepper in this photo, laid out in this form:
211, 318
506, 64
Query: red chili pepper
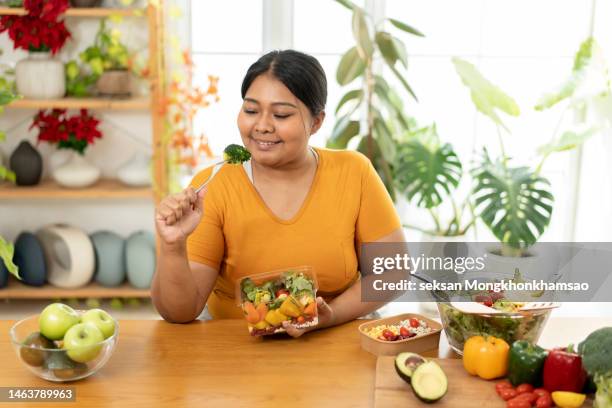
563, 371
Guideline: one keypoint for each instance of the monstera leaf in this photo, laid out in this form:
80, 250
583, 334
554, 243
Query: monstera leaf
515, 203
487, 97
427, 170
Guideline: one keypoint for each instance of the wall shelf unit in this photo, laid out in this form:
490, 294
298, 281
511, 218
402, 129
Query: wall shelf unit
104, 189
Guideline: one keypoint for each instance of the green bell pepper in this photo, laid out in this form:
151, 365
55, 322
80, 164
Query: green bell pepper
525, 363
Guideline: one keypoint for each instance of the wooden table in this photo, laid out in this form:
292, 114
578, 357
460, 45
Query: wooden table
217, 364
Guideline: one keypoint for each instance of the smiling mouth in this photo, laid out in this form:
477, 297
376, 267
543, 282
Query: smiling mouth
265, 143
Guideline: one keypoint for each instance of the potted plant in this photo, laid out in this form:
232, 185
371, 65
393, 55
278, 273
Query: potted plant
72, 132
428, 172
514, 202
369, 111
108, 58
40, 76
6, 96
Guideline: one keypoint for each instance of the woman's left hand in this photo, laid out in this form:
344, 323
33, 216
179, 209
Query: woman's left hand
325, 315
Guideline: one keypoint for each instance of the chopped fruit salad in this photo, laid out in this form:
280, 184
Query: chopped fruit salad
289, 296
405, 329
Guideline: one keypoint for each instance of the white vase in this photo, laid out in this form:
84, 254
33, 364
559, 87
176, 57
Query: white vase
69, 255
40, 76
136, 172
76, 173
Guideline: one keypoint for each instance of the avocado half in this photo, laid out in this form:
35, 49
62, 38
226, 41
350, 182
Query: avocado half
406, 363
429, 382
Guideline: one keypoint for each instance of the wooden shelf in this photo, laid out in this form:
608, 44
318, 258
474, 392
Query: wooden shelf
49, 189
83, 12
83, 103
17, 290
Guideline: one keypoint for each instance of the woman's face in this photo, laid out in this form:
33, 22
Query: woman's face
274, 124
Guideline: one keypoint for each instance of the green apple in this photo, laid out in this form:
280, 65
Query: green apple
101, 319
81, 342
56, 319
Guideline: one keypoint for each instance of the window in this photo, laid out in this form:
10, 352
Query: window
524, 47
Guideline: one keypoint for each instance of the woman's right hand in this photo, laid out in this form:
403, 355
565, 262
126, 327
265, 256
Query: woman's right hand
178, 215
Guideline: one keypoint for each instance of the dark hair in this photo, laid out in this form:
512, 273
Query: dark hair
301, 73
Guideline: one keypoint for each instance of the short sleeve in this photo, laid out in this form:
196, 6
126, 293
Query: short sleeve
377, 216
206, 244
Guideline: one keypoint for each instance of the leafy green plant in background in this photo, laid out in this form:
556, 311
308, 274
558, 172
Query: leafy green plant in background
6, 256
514, 202
428, 173
107, 53
372, 111
588, 93
6, 96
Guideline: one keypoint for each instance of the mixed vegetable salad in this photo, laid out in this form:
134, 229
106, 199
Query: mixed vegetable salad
405, 329
288, 296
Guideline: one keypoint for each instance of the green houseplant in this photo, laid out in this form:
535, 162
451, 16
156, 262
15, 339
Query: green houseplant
6, 96
103, 64
587, 92
371, 111
427, 172
514, 202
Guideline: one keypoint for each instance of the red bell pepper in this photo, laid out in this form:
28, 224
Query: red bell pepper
563, 371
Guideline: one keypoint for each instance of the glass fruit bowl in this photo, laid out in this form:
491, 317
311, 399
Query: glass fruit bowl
48, 360
510, 326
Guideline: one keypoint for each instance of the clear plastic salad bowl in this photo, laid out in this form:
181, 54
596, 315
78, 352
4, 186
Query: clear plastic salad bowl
510, 326
272, 298
49, 361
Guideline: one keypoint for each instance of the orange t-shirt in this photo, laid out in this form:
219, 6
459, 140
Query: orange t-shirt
239, 235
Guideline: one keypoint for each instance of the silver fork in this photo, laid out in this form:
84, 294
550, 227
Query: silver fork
214, 171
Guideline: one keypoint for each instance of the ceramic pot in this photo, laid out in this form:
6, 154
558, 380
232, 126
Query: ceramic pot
85, 3
3, 274
77, 172
114, 83
27, 164
40, 76
136, 172
30, 259
110, 258
140, 259
69, 255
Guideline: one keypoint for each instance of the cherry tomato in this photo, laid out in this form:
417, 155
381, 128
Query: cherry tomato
545, 401
388, 334
528, 396
518, 403
404, 332
482, 298
507, 393
523, 388
503, 384
540, 392
282, 292
414, 323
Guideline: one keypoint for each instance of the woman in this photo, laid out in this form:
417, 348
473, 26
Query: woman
290, 205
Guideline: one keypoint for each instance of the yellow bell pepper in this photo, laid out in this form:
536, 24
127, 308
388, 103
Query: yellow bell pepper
291, 307
486, 358
565, 399
275, 317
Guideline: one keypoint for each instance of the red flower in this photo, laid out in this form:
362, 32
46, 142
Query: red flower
74, 132
39, 30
